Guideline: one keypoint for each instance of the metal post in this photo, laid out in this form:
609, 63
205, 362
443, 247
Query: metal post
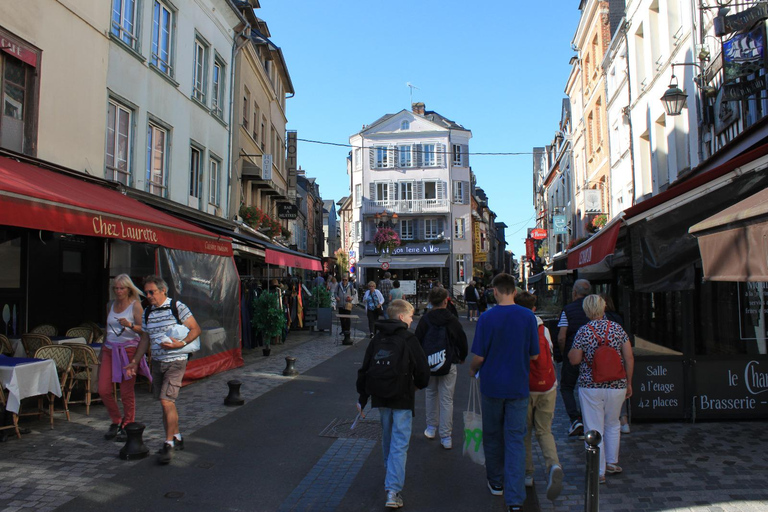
591, 497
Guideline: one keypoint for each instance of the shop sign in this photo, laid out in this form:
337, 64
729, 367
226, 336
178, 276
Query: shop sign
413, 249
291, 162
658, 389
739, 21
743, 54
731, 389
559, 225
18, 50
753, 311
538, 234
266, 164
287, 211
592, 201
744, 89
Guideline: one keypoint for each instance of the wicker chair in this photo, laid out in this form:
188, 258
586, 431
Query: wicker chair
15, 424
83, 357
81, 332
98, 333
32, 342
62, 356
5, 346
46, 329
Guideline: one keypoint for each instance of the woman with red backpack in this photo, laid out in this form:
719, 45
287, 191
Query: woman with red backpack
604, 355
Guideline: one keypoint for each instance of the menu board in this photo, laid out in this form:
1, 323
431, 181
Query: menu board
732, 388
658, 389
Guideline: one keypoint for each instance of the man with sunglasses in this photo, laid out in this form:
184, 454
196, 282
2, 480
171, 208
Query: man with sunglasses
168, 364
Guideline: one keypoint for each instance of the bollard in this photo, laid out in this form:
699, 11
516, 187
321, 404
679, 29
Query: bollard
592, 498
233, 398
290, 367
134, 448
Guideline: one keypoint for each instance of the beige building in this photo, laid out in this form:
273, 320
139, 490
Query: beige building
54, 94
262, 84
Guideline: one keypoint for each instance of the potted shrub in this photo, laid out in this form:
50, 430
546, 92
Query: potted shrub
268, 318
319, 306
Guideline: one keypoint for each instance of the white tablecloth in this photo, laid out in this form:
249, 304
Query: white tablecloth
30, 379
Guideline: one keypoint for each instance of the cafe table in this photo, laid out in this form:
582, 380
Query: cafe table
27, 377
18, 346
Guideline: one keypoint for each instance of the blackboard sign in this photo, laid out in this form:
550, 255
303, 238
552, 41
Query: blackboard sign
287, 211
732, 388
658, 389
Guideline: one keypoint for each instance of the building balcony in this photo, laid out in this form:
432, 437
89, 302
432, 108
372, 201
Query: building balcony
414, 206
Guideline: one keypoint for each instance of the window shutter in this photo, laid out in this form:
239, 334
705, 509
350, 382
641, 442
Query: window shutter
440, 186
353, 232
418, 158
440, 227
372, 157
440, 154
419, 190
465, 155
392, 156
465, 195
373, 192
392, 186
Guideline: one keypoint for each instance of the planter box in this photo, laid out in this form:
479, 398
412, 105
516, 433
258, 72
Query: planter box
319, 318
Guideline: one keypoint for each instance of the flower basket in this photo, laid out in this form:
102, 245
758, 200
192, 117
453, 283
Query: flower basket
386, 240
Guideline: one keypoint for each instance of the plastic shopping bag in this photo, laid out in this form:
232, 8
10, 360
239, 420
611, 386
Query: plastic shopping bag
473, 426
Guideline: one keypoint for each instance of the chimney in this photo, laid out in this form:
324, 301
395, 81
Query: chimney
418, 108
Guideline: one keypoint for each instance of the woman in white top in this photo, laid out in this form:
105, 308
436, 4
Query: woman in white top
122, 336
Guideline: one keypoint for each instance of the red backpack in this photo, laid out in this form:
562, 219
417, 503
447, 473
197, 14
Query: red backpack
606, 362
542, 375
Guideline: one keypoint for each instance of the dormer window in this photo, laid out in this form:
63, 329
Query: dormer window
405, 125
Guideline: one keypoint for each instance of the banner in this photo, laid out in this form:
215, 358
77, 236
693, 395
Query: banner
291, 163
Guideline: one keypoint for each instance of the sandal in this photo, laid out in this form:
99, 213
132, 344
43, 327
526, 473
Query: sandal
613, 469
602, 479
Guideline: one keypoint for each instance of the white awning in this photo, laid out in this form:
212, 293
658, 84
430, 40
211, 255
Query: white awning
427, 260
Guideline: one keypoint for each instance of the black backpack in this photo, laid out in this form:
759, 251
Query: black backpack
388, 375
437, 347
173, 307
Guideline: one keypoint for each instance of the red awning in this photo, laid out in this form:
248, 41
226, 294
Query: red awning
596, 249
36, 198
285, 259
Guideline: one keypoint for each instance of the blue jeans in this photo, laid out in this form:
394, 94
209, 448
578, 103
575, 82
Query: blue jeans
504, 425
395, 438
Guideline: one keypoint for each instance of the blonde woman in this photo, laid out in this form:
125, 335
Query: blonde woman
374, 301
601, 401
122, 336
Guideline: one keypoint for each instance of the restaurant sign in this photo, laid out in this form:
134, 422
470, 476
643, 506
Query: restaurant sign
412, 249
731, 388
726, 24
658, 389
744, 54
538, 234
287, 211
559, 225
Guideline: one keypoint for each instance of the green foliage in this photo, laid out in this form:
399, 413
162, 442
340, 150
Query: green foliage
268, 317
321, 298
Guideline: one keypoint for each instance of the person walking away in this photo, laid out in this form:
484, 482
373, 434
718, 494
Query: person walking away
602, 350
571, 320
506, 340
345, 292
444, 342
319, 280
393, 368
168, 364
123, 333
541, 406
490, 300
397, 292
470, 299
332, 286
373, 301
385, 287
481, 300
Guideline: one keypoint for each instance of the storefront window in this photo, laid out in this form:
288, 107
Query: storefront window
657, 323
732, 318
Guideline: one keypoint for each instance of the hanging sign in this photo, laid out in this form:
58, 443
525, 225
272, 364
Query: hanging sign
538, 234
287, 211
559, 225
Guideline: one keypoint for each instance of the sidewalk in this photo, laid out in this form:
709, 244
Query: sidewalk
48, 468
702, 467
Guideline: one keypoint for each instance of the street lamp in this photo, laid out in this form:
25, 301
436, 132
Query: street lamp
675, 98
384, 220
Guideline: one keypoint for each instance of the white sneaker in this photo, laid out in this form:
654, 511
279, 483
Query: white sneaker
529, 480
625, 428
554, 482
394, 500
447, 442
429, 433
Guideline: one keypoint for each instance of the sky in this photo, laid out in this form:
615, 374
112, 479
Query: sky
497, 67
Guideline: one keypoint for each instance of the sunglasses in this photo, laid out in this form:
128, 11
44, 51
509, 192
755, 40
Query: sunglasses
151, 292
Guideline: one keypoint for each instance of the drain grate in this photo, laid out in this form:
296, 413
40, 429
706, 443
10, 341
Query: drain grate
365, 429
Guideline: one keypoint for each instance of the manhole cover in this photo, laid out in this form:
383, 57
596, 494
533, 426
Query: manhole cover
365, 429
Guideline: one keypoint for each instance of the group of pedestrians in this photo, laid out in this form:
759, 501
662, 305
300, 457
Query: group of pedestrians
514, 363
167, 328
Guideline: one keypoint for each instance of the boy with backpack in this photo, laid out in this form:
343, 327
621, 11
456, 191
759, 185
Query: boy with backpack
393, 367
541, 406
445, 345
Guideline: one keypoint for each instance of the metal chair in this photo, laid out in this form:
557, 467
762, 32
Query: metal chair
5, 346
83, 357
81, 332
46, 329
15, 424
32, 342
61, 355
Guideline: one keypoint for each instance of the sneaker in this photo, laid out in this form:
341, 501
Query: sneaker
178, 444
394, 500
625, 428
577, 429
121, 435
447, 442
555, 482
515, 508
496, 490
166, 454
429, 433
529, 480
613, 469
112, 432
